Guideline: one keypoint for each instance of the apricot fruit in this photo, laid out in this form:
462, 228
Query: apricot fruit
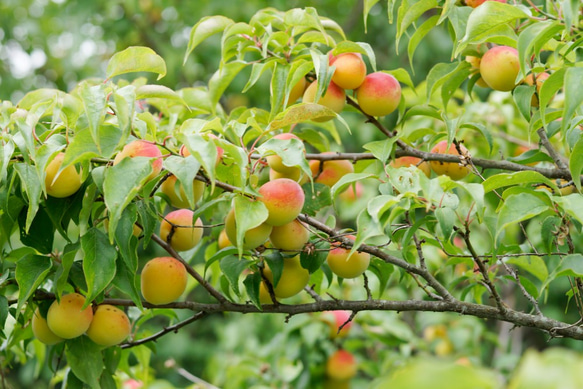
334, 98
163, 280
220, 151
41, 330
276, 163
180, 231
335, 319
350, 70
475, 3
293, 278
223, 240
499, 68
352, 193
341, 366
284, 200
289, 237
331, 171
142, 148
379, 94
110, 326
64, 183
66, 318
344, 265
176, 194
297, 91
540, 79
452, 169
252, 238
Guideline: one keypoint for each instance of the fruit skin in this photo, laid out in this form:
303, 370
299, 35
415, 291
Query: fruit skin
341, 366
186, 233
475, 3
352, 193
142, 148
350, 70
297, 91
41, 330
335, 319
276, 163
332, 171
499, 68
67, 183
451, 169
334, 98
163, 280
540, 79
284, 199
293, 278
289, 237
175, 192
110, 326
412, 161
66, 319
379, 94
223, 240
347, 266
253, 238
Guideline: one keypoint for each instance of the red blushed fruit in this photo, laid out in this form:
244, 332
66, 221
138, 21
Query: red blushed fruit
412, 161
334, 98
341, 366
284, 199
142, 148
499, 68
379, 94
452, 169
275, 162
331, 171
475, 3
335, 319
350, 70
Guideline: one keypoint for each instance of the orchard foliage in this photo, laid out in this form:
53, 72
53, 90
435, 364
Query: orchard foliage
95, 180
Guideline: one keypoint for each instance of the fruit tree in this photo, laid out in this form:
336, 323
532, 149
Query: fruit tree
350, 198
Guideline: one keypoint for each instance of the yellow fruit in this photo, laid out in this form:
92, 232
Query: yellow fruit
110, 326
66, 318
341, 366
252, 238
346, 266
293, 278
186, 233
41, 330
62, 184
163, 280
176, 194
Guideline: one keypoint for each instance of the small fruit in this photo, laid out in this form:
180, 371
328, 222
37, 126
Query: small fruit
346, 266
176, 194
334, 98
223, 240
452, 169
331, 171
252, 238
110, 326
293, 278
289, 237
142, 148
379, 94
66, 318
41, 330
61, 184
350, 70
341, 366
499, 68
336, 319
540, 79
180, 231
284, 200
163, 280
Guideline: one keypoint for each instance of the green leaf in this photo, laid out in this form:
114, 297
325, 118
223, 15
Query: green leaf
291, 152
222, 79
312, 261
548, 90
368, 4
418, 36
84, 358
202, 151
158, 92
550, 369
346, 180
41, 233
382, 149
532, 39
411, 12
522, 95
248, 214
489, 19
82, 147
573, 94
275, 262
136, 59
185, 170
572, 205
317, 198
98, 262
125, 101
232, 267
125, 239
205, 28
122, 183
251, 283
576, 161
95, 104
519, 207
32, 186
517, 178
438, 75
31, 271
571, 266
446, 218
532, 264
299, 113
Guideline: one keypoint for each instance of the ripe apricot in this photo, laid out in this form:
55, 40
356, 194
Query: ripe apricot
412, 161
142, 148
341, 366
186, 233
499, 68
284, 199
334, 98
293, 278
66, 318
346, 266
379, 94
252, 238
41, 330
350, 70
163, 280
331, 171
110, 326
289, 237
452, 169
